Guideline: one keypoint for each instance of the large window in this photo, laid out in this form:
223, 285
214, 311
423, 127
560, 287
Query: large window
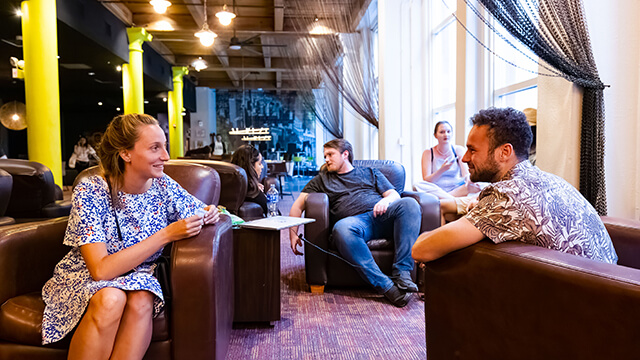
465, 77
443, 61
514, 73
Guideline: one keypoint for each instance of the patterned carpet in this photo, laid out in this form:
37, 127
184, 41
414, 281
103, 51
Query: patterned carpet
340, 324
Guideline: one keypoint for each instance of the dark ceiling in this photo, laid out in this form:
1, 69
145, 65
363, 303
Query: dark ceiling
87, 71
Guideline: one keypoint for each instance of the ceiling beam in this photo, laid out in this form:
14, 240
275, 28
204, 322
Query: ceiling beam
278, 15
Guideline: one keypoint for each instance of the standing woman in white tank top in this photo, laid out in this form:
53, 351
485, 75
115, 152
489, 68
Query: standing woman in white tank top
443, 172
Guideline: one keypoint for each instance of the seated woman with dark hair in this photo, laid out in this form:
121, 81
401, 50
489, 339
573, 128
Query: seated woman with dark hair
250, 159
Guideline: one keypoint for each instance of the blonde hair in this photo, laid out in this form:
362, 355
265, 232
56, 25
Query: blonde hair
121, 134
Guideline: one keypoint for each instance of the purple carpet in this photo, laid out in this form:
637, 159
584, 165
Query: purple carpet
340, 324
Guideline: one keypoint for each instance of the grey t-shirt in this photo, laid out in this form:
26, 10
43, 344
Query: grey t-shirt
351, 193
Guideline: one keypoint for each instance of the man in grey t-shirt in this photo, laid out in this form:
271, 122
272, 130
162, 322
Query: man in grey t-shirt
363, 205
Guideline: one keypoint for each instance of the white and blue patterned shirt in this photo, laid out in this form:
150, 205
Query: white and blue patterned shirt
542, 209
92, 220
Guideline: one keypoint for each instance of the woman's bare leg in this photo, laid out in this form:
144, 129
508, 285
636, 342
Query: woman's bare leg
134, 334
460, 191
95, 336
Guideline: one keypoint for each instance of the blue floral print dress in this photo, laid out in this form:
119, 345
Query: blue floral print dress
92, 220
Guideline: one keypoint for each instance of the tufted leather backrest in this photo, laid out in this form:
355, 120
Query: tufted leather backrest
233, 181
200, 181
33, 187
393, 171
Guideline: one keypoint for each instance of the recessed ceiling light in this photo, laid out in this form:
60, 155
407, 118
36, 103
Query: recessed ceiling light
164, 99
146, 101
19, 13
99, 103
91, 73
117, 109
118, 68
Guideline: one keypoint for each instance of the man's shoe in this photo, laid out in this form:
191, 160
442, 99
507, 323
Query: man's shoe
404, 282
397, 297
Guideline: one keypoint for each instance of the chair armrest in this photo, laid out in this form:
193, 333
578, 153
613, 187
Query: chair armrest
519, 301
625, 235
430, 206
268, 180
28, 254
57, 209
250, 211
202, 290
318, 232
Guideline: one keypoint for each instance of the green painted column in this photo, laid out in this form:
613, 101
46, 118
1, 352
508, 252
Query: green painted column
42, 91
132, 73
176, 132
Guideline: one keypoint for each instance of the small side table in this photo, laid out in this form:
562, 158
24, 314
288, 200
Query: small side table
256, 263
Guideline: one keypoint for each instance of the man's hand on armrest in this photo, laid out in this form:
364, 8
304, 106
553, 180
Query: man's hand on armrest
455, 235
296, 210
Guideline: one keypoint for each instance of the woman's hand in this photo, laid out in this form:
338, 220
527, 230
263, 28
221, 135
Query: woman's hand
447, 164
261, 187
212, 216
184, 228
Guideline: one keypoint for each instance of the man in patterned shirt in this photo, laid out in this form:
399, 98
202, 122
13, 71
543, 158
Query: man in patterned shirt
522, 202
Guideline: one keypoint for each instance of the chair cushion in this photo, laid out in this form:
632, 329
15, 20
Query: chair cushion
21, 322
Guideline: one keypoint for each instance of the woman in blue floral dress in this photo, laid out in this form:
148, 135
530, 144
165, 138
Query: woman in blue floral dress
119, 224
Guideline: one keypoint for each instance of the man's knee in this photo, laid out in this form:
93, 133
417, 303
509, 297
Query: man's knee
409, 206
346, 230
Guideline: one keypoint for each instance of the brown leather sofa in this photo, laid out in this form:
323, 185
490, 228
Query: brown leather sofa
34, 194
520, 301
322, 269
6, 184
234, 187
195, 325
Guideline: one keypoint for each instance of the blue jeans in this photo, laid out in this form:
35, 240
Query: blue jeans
401, 222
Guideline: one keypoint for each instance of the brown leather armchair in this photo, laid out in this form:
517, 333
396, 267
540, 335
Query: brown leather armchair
233, 180
195, 325
519, 301
34, 193
322, 269
6, 183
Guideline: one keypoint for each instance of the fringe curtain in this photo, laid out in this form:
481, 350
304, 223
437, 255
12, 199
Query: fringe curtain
556, 31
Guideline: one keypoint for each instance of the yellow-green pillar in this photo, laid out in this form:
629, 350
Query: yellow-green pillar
132, 73
42, 92
176, 140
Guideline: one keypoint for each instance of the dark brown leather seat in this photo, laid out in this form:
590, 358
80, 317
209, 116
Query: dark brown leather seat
519, 301
195, 325
6, 183
34, 194
233, 180
322, 269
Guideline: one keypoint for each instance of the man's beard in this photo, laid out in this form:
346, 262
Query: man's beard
487, 173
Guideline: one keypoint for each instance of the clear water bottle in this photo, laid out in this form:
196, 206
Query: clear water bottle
272, 201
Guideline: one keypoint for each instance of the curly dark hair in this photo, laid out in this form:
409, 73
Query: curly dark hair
506, 126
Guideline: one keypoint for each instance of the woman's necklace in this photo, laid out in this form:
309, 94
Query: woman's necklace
441, 154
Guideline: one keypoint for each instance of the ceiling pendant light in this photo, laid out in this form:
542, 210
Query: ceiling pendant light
199, 64
160, 6
225, 16
206, 36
